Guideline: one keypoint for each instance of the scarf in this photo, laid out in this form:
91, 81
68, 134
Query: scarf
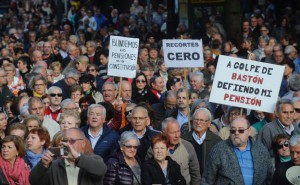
35, 94
18, 173
34, 158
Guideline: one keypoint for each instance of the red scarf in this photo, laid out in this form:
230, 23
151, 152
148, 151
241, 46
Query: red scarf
18, 173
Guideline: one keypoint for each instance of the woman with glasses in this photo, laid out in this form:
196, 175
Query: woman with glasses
281, 150
37, 143
161, 169
140, 89
76, 93
38, 85
87, 83
123, 167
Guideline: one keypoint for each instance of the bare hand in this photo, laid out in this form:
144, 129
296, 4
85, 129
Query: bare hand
47, 159
72, 153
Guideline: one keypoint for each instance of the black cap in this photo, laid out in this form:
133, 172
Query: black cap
87, 78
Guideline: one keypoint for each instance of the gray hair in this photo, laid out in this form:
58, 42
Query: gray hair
110, 83
140, 107
32, 117
288, 49
73, 114
66, 102
197, 74
34, 99
36, 78
37, 69
51, 89
168, 120
294, 140
205, 110
281, 102
126, 136
295, 99
78, 130
92, 106
294, 82
71, 72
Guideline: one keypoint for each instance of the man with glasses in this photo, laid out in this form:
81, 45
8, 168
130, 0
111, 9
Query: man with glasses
201, 137
239, 159
103, 139
71, 78
54, 110
77, 167
280, 175
284, 124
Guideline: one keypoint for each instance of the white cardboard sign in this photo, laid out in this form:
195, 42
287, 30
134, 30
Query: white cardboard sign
245, 83
183, 53
123, 55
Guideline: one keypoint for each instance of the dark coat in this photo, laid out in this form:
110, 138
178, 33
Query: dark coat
107, 142
118, 172
153, 174
279, 177
210, 140
4, 94
64, 87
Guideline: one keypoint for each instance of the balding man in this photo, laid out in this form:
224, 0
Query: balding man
239, 159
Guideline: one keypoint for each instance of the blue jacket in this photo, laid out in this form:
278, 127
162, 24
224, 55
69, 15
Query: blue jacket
107, 142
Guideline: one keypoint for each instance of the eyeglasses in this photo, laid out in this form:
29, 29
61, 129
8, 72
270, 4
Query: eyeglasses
76, 80
200, 120
53, 94
128, 112
140, 81
71, 141
138, 118
177, 80
281, 145
240, 131
131, 147
297, 110
38, 85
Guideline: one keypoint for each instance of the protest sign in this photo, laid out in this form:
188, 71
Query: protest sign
183, 53
123, 55
245, 83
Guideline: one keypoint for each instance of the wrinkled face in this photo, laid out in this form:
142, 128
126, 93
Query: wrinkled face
129, 149
128, 114
160, 151
37, 108
75, 96
295, 154
9, 151
239, 139
158, 84
3, 122
170, 103
126, 92
286, 114
139, 119
196, 84
143, 57
10, 72
40, 87
75, 139
55, 97
140, 82
68, 122
96, 118
283, 148
173, 133
201, 122
34, 143
31, 124
109, 93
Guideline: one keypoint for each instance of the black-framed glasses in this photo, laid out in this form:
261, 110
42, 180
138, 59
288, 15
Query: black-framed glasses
71, 141
240, 131
131, 147
281, 145
58, 94
127, 112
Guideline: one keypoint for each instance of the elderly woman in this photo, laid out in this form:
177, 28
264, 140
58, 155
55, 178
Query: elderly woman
82, 63
13, 82
3, 124
161, 169
280, 146
87, 84
38, 85
14, 169
32, 121
123, 167
69, 119
37, 142
76, 93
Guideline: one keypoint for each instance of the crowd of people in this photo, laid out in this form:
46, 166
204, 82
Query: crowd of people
64, 120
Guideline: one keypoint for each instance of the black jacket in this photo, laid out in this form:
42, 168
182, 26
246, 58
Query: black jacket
153, 174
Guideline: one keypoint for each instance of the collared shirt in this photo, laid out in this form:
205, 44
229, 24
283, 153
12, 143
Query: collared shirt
198, 139
287, 130
181, 118
140, 137
72, 173
95, 139
246, 163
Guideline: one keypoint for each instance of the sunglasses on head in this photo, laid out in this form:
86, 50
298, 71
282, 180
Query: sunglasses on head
53, 94
280, 145
240, 131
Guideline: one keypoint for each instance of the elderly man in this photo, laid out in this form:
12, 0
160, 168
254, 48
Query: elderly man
182, 152
197, 84
140, 122
280, 173
284, 124
103, 139
201, 137
109, 92
54, 109
157, 85
239, 159
73, 53
71, 78
36, 107
50, 54
75, 168
94, 57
